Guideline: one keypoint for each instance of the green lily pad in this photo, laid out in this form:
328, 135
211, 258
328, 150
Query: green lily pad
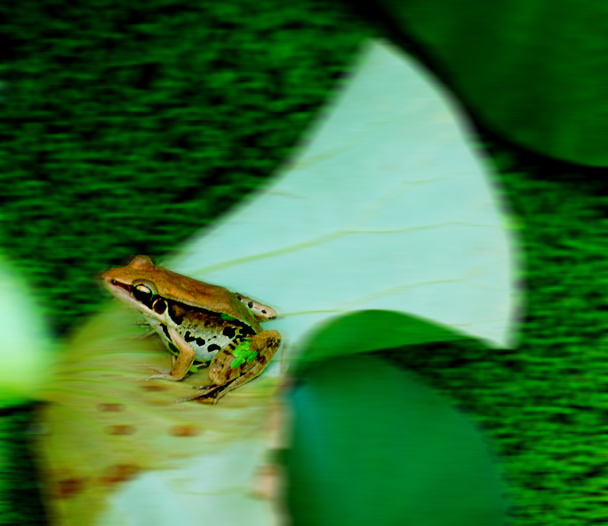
533, 71
372, 330
371, 444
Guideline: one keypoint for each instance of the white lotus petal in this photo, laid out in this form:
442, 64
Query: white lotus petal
215, 490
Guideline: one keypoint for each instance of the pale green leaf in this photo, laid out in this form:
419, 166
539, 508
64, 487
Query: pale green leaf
374, 445
531, 71
25, 345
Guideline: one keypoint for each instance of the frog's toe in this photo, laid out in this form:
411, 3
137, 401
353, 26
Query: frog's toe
160, 375
198, 397
207, 394
208, 400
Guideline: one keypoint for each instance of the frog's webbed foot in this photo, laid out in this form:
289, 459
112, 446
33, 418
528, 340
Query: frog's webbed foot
181, 363
160, 375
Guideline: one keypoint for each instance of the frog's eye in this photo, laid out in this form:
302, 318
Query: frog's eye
142, 292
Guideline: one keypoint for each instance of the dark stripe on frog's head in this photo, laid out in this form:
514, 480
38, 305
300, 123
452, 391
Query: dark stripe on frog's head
166, 331
176, 312
159, 305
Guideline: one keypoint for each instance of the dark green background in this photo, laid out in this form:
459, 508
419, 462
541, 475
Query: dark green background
535, 71
125, 127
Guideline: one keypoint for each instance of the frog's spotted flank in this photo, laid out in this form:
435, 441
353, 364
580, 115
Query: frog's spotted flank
230, 332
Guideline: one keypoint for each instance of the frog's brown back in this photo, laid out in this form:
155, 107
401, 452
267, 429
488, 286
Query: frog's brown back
190, 291
201, 294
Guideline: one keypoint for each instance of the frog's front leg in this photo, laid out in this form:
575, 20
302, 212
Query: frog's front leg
227, 371
182, 362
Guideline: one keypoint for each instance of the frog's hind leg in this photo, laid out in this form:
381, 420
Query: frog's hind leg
226, 378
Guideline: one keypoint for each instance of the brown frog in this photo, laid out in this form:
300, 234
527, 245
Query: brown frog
198, 322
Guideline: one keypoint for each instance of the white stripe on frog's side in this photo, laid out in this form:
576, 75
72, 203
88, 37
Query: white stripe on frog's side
206, 341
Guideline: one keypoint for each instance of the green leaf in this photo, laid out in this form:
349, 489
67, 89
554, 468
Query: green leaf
25, 344
372, 445
531, 70
367, 331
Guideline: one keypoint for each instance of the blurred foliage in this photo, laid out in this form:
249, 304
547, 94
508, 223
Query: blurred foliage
543, 402
534, 71
373, 445
19, 486
125, 127
350, 334
25, 346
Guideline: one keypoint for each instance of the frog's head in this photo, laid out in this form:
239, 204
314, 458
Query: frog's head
134, 284
151, 289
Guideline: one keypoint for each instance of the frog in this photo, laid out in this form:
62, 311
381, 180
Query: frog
201, 324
